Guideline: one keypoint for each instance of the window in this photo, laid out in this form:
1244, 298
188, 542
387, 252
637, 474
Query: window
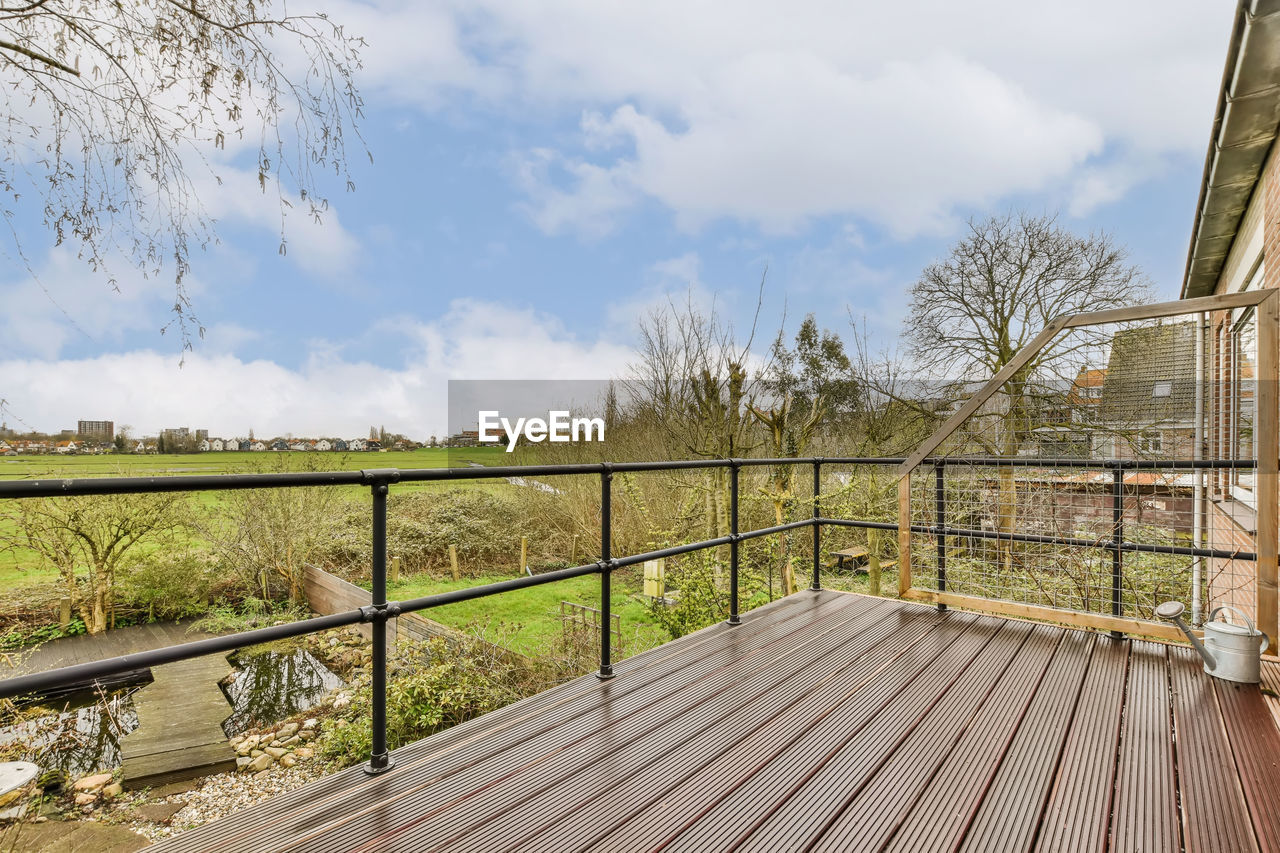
1151, 441
1243, 403
1162, 389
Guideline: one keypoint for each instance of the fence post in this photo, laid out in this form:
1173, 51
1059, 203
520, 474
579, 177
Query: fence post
940, 520
817, 528
734, 618
380, 757
606, 568
1117, 537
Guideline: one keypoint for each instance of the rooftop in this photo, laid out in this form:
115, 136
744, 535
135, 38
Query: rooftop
827, 721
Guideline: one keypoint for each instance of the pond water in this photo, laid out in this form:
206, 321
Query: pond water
82, 732
82, 735
268, 686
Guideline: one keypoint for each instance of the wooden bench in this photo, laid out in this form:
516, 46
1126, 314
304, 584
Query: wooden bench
856, 553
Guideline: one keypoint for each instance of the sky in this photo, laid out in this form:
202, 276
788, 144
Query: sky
544, 173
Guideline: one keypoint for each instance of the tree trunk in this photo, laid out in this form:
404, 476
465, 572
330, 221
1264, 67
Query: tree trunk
873, 561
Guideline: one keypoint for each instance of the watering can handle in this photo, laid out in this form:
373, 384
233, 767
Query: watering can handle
1253, 629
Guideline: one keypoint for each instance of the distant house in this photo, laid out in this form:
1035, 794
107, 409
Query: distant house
258, 446
204, 445
356, 444
1147, 405
66, 447
279, 444
216, 444
372, 445
340, 445
323, 444
299, 445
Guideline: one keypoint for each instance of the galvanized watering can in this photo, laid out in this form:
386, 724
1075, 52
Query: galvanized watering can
1230, 651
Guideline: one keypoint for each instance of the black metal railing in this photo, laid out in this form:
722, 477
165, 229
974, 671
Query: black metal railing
380, 481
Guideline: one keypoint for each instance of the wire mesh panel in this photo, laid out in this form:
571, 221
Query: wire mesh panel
1110, 471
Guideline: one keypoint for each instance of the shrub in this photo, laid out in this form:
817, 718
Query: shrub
168, 584
445, 684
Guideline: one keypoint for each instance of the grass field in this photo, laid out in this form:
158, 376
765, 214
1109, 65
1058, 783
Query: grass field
536, 610
157, 465
18, 568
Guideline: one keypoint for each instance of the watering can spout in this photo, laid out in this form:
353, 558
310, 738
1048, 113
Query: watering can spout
1172, 611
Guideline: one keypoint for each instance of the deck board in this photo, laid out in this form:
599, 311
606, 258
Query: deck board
1210, 822
1146, 811
826, 721
1078, 817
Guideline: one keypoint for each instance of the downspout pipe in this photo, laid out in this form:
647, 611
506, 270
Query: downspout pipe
1198, 500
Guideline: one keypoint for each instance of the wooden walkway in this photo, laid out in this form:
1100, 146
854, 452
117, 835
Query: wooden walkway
180, 714
69, 651
179, 734
827, 721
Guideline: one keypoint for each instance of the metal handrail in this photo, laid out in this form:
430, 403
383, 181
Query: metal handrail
380, 610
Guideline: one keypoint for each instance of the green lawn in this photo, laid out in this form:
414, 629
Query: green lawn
527, 620
18, 568
128, 464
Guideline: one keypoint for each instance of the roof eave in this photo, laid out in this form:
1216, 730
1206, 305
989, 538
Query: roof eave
1244, 130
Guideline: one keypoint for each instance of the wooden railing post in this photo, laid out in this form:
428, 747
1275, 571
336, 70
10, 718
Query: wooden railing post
904, 535
1267, 397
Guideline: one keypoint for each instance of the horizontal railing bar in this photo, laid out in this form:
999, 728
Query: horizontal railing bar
80, 673
231, 482
440, 599
1107, 464
868, 525
1099, 544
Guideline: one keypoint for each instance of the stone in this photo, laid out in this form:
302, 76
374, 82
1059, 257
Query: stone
16, 813
275, 751
169, 790
92, 783
262, 774
243, 761
112, 791
293, 741
307, 735
287, 731
84, 798
287, 760
275, 744
310, 723
302, 753
262, 762
255, 753
158, 812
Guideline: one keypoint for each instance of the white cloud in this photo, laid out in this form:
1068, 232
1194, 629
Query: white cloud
326, 395
774, 113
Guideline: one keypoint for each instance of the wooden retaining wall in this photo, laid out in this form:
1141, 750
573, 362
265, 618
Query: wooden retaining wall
327, 593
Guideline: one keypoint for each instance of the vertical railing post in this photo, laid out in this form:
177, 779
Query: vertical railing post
734, 618
380, 755
606, 568
817, 528
940, 521
1117, 538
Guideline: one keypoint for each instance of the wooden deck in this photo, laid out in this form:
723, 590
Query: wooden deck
826, 721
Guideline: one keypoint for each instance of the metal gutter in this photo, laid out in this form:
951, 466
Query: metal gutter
1244, 130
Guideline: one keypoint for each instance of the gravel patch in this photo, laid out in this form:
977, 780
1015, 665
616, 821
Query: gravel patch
220, 795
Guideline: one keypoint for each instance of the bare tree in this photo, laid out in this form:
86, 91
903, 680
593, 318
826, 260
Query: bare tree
109, 107
1007, 279
87, 538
